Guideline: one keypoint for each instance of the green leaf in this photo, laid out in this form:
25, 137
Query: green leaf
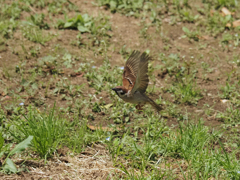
80, 19
113, 5
68, 24
88, 24
108, 106
55, 90
228, 17
24, 82
82, 28
5, 149
86, 17
10, 166
21, 146
196, 17
186, 30
96, 108
1, 141
32, 18
34, 86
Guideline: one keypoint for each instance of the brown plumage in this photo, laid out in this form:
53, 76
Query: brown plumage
135, 81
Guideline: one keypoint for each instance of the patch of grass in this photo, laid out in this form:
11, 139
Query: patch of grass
216, 23
38, 20
61, 7
230, 116
81, 22
53, 7
191, 35
48, 130
36, 34
190, 144
7, 28
100, 79
186, 16
10, 11
127, 7
8, 165
171, 63
98, 28
228, 90
85, 23
186, 92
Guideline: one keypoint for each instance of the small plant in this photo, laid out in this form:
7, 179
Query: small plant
38, 20
227, 90
190, 34
188, 17
11, 10
231, 116
8, 165
98, 27
7, 28
81, 22
61, 7
215, 23
226, 38
47, 130
125, 6
37, 35
186, 92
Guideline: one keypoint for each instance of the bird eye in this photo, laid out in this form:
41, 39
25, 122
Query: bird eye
121, 92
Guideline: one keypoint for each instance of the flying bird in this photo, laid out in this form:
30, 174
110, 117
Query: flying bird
135, 81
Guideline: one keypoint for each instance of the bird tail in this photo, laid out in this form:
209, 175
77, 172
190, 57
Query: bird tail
154, 105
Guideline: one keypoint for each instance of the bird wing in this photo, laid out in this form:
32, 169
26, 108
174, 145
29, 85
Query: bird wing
142, 80
131, 70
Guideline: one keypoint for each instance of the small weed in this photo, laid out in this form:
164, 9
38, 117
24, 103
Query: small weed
8, 165
171, 63
227, 90
186, 16
61, 7
186, 92
48, 131
226, 38
81, 22
191, 35
216, 23
37, 35
10, 11
38, 20
98, 27
7, 28
128, 7
231, 116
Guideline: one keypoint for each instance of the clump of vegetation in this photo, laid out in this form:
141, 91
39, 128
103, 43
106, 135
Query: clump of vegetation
8, 165
125, 6
83, 23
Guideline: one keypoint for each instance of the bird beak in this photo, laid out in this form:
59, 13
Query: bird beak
114, 89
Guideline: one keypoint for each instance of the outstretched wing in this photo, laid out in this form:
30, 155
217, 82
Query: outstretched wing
131, 70
142, 80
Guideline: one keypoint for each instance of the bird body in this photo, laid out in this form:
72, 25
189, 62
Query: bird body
135, 81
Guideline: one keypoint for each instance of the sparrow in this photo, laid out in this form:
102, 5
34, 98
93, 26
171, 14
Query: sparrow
135, 81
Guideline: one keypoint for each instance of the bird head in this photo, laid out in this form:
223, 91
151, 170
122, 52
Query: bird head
120, 91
